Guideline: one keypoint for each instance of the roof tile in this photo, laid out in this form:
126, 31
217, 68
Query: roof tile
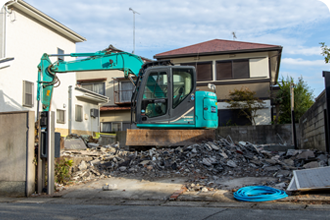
215, 45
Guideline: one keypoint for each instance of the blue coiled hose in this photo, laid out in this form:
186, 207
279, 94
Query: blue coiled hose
259, 194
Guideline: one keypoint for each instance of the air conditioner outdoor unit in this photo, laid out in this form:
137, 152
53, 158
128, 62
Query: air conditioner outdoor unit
94, 112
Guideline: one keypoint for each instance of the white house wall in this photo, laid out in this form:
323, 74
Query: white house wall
26, 41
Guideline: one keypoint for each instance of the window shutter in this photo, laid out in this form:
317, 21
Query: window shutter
241, 69
28, 89
78, 113
60, 116
203, 70
224, 70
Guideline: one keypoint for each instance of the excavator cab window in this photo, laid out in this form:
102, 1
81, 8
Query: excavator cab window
155, 95
182, 85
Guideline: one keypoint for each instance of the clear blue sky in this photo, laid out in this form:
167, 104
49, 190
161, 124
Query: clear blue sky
298, 26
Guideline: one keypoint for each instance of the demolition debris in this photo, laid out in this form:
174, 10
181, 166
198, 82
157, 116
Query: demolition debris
202, 164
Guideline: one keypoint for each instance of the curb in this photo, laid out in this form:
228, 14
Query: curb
177, 193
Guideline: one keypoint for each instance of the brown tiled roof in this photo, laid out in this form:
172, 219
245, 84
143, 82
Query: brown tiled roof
113, 49
114, 108
216, 46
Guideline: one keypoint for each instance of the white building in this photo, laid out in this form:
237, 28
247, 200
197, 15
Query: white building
25, 34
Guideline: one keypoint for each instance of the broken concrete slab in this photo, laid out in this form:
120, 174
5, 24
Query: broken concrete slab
92, 145
288, 162
74, 144
107, 139
82, 166
270, 161
322, 157
292, 152
306, 155
312, 164
271, 168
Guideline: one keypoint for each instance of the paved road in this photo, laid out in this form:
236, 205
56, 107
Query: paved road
98, 212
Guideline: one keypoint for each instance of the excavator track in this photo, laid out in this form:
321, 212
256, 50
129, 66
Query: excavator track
167, 138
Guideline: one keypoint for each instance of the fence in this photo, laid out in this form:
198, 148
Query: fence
17, 171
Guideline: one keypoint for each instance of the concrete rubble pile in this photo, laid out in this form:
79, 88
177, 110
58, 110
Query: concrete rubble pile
201, 164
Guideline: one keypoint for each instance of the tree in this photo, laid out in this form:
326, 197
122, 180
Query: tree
303, 99
245, 100
325, 52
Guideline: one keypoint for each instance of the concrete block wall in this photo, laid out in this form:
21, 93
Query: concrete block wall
312, 125
17, 171
260, 134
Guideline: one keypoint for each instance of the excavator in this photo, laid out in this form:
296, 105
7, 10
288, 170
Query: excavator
165, 104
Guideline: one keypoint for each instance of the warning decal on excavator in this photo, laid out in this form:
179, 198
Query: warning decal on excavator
213, 109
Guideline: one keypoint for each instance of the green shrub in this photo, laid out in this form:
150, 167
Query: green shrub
62, 170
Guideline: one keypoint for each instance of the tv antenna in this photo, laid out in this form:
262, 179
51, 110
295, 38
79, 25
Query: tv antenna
234, 35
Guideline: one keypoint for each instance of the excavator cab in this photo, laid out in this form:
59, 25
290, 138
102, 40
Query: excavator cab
166, 97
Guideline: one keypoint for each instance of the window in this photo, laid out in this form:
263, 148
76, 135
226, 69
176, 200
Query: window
182, 85
111, 126
60, 116
203, 70
126, 90
232, 69
28, 88
60, 51
156, 88
98, 87
106, 127
79, 113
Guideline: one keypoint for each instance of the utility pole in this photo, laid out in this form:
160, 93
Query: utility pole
134, 12
294, 137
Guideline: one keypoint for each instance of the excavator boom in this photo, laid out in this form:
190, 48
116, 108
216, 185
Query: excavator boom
129, 63
164, 96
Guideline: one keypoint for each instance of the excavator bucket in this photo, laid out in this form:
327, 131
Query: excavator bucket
167, 138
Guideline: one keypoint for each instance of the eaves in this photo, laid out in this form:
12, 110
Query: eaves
92, 96
219, 53
47, 21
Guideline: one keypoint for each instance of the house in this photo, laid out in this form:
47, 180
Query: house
232, 65
116, 113
25, 34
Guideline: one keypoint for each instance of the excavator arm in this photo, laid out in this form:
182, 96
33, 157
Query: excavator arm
129, 63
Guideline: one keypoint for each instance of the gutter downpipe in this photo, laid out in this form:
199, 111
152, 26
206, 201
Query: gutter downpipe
70, 109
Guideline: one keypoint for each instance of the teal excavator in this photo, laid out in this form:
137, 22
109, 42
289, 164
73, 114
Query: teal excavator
165, 105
